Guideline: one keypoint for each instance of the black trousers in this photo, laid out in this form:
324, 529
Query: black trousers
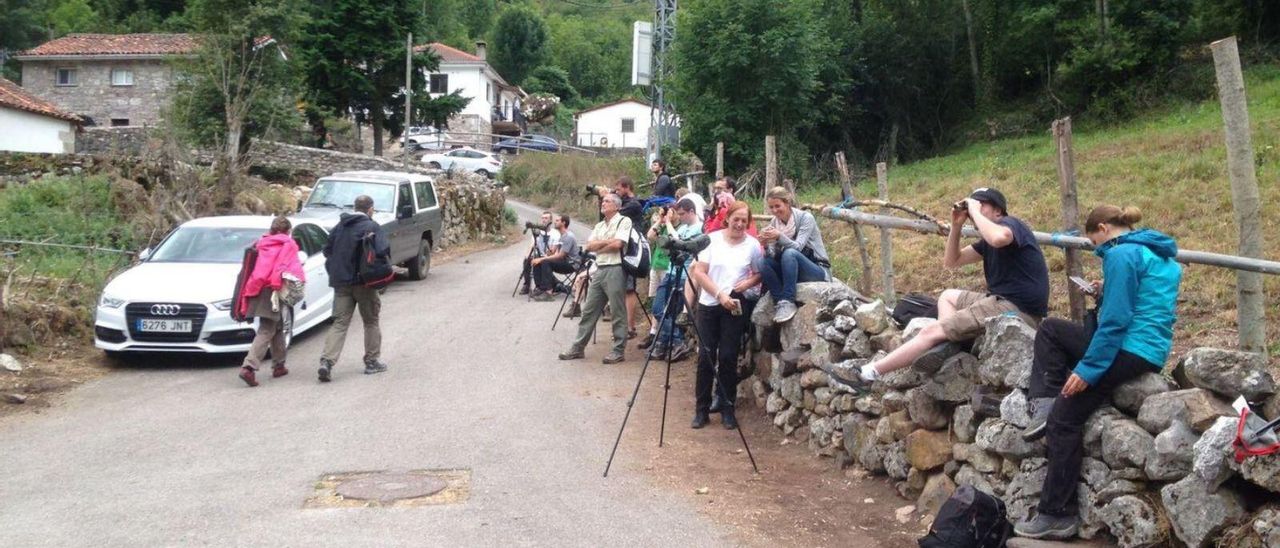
1059, 345
543, 274
719, 338
526, 272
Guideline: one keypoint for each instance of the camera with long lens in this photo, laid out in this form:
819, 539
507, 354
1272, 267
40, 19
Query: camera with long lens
681, 250
593, 191
530, 226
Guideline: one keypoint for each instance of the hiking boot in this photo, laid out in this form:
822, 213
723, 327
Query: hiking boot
646, 342
543, 296
613, 357
931, 361
659, 351
524, 290
1044, 526
374, 366
728, 419
574, 310
326, 368
279, 370
784, 311
680, 353
247, 375
700, 419
572, 354
1040, 408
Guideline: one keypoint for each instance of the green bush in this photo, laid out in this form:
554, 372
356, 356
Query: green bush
67, 210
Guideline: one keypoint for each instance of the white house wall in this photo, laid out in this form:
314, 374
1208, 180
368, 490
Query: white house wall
22, 131
471, 81
606, 124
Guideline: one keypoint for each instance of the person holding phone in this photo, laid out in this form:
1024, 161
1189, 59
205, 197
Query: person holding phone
1074, 368
723, 271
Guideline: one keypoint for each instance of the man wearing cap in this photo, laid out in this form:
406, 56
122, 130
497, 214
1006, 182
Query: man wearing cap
1017, 283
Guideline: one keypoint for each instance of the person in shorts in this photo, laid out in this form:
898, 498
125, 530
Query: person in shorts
1017, 284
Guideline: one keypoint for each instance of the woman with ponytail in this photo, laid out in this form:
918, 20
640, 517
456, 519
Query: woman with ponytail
1075, 368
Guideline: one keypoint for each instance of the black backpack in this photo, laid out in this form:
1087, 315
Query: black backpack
912, 306
374, 269
969, 519
635, 255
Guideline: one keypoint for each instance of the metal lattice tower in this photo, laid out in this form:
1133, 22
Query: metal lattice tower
662, 113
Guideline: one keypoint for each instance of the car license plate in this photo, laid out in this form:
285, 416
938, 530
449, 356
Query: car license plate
164, 326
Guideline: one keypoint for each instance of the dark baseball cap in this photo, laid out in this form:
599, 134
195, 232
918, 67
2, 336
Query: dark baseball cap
991, 196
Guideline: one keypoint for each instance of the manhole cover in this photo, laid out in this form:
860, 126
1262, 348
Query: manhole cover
391, 487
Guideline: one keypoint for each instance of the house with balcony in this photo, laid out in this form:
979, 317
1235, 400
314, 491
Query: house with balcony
495, 103
106, 79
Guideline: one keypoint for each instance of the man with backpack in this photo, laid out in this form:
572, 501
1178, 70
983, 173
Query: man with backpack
357, 258
608, 241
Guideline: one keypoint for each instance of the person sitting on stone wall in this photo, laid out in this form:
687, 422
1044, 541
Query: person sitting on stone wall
1074, 369
1017, 283
794, 252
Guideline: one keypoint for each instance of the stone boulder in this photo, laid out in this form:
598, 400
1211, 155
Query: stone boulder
1095, 426
915, 326
826, 294
899, 426
1125, 444
844, 308
928, 449
1006, 354
1014, 409
792, 390
1134, 521
813, 378
1023, 492
1172, 455
1263, 471
1197, 406
953, 383
10, 363
998, 436
926, 411
856, 345
937, 489
964, 424
887, 341
902, 379
775, 404
896, 464
1129, 396
1198, 514
1212, 459
844, 324
873, 317
1229, 373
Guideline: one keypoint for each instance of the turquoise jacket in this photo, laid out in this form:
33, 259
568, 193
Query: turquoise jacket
1138, 304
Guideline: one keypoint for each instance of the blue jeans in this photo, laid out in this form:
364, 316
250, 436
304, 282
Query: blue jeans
667, 334
782, 273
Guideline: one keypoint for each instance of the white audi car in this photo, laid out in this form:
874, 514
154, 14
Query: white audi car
484, 163
178, 298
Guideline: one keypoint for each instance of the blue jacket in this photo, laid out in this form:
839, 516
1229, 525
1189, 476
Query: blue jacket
1139, 298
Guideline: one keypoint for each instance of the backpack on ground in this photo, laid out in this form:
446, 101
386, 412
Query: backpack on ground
239, 308
374, 270
635, 255
969, 519
912, 306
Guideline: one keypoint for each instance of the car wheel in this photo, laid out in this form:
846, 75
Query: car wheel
484, 173
433, 165
421, 264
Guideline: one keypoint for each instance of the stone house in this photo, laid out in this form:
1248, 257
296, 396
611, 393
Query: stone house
495, 103
108, 79
31, 124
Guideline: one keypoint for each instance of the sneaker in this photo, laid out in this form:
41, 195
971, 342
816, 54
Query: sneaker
574, 311
784, 311
326, 368
646, 342
931, 361
1040, 408
613, 357
374, 366
543, 296
857, 385
700, 419
681, 353
247, 375
572, 354
659, 351
728, 419
279, 370
524, 290
1044, 526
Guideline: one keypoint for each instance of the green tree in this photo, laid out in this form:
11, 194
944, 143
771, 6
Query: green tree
553, 80
72, 16
477, 15
596, 53
519, 43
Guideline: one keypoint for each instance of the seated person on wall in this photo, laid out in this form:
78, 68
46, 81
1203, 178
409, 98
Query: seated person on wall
1075, 369
1017, 283
793, 252
541, 247
562, 258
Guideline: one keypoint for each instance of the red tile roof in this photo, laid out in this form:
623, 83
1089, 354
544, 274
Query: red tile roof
448, 54
115, 44
13, 96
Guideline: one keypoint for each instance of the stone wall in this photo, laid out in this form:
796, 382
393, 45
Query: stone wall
472, 130
1158, 464
93, 95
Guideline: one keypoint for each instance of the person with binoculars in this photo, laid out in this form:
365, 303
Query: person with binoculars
561, 258
543, 240
665, 337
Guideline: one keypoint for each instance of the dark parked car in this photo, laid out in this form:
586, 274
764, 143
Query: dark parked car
540, 143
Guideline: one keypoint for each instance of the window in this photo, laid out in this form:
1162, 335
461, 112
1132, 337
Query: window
475, 154
406, 197
426, 194
456, 153
119, 122
66, 77
628, 125
310, 238
121, 77
439, 83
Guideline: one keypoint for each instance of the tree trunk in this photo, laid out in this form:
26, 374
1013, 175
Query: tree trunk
235, 129
973, 53
378, 119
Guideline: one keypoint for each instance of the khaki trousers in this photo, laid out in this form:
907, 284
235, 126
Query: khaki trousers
345, 302
270, 335
608, 284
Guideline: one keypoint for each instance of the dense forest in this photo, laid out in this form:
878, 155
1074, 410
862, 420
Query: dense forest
877, 79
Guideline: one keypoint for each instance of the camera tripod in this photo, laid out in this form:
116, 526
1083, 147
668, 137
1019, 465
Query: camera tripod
673, 293
533, 254
585, 266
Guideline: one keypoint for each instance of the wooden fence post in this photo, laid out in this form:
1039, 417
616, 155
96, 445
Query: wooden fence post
886, 240
720, 159
770, 162
846, 184
1250, 314
1070, 210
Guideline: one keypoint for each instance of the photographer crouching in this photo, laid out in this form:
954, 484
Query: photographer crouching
543, 239
562, 259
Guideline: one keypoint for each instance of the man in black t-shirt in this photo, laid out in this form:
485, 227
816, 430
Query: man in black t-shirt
1017, 284
662, 185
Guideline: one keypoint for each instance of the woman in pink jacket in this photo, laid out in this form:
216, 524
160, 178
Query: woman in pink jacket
277, 256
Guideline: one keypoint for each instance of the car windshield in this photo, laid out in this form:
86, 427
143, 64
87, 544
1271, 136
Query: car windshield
342, 194
206, 245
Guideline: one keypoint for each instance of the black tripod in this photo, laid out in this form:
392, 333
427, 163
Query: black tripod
673, 293
585, 266
533, 254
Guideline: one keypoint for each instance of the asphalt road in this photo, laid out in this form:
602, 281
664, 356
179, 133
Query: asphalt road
183, 453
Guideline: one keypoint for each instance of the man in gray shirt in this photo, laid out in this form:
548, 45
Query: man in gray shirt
561, 259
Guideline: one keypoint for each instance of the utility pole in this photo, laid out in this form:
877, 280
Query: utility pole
662, 113
408, 96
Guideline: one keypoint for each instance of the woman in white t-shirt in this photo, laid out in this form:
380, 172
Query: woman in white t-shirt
723, 271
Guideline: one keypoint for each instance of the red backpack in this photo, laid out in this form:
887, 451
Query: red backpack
374, 270
239, 305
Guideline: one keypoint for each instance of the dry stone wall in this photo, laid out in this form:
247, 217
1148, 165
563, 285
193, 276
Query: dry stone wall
1158, 467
